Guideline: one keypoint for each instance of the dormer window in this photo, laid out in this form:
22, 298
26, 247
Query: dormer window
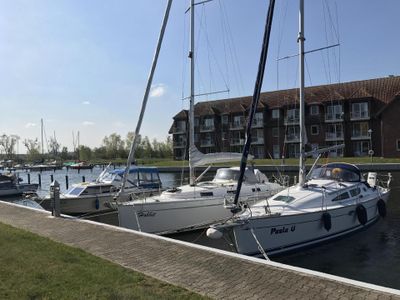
314, 110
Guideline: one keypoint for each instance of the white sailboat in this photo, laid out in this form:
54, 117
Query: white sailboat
334, 200
197, 204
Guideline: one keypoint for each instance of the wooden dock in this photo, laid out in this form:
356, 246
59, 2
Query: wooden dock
214, 273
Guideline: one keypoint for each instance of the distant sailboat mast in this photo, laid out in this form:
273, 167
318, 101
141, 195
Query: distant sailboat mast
191, 108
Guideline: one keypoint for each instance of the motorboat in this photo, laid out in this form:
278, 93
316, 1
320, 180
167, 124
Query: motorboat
10, 185
191, 207
98, 196
335, 201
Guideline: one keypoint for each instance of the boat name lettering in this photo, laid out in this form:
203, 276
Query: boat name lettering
146, 214
283, 229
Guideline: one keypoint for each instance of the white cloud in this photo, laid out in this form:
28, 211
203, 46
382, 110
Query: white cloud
87, 123
29, 125
157, 90
85, 102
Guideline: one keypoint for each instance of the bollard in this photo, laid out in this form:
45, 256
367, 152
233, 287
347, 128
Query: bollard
79, 170
39, 179
66, 182
29, 178
55, 198
51, 178
83, 178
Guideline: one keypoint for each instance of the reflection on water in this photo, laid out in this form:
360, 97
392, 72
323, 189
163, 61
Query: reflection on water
372, 255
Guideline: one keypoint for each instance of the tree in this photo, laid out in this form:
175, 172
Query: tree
64, 153
114, 145
54, 146
85, 153
33, 149
8, 143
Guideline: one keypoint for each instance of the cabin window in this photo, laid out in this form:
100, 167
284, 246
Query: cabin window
355, 192
206, 194
342, 196
286, 199
314, 129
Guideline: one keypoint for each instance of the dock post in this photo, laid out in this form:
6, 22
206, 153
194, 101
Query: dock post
51, 178
83, 178
66, 182
29, 178
40, 179
55, 198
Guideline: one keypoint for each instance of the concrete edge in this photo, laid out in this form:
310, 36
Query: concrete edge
230, 254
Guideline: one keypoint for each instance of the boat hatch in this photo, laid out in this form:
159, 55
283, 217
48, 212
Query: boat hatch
283, 198
336, 171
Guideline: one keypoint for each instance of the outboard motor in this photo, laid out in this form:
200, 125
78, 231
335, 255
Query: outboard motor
372, 179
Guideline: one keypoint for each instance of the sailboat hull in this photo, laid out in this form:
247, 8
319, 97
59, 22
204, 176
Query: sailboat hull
280, 234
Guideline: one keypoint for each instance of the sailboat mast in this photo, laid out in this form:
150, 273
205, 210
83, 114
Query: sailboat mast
300, 40
191, 105
41, 136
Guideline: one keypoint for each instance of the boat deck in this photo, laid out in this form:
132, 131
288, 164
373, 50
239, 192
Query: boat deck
215, 273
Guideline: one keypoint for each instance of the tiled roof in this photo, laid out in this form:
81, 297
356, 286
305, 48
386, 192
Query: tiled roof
381, 89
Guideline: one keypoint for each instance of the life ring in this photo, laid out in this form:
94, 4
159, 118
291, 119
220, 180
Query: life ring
97, 203
361, 214
381, 208
327, 221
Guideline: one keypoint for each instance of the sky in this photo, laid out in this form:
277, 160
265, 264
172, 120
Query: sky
83, 65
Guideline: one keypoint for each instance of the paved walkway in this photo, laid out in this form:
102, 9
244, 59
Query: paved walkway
214, 273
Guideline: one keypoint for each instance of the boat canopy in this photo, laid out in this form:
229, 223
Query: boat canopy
337, 171
134, 169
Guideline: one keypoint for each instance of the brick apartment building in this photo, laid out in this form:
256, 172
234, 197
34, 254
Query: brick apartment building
363, 115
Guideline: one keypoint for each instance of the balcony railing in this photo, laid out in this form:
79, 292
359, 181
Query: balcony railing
359, 115
292, 138
291, 120
178, 130
360, 136
334, 136
235, 125
207, 143
334, 117
257, 140
258, 123
235, 142
204, 128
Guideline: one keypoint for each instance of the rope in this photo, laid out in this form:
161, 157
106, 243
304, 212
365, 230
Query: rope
260, 248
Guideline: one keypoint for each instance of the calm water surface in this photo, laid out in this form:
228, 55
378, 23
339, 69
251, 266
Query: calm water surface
372, 255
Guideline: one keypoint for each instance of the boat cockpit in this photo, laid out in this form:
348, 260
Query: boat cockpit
337, 171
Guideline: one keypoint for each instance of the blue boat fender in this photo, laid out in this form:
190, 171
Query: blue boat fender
97, 203
381, 208
327, 221
361, 214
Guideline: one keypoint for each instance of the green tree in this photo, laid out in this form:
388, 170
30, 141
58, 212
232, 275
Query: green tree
64, 153
32, 149
85, 153
114, 145
54, 146
8, 143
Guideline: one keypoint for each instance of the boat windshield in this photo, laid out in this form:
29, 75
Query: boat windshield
75, 191
106, 177
336, 173
233, 174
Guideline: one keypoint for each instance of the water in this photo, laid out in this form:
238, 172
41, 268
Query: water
372, 255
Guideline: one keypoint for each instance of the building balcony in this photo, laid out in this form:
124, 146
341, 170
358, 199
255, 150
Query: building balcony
207, 128
237, 142
179, 130
330, 136
363, 115
334, 118
258, 123
292, 121
257, 140
207, 143
361, 136
179, 144
237, 126
292, 139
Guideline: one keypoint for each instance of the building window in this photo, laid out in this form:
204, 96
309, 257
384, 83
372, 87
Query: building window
398, 145
275, 151
196, 122
314, 129
359, 110
293, 150
225, 119
207, 124
361, 148
360, 130
293, 115
314, 110
275, 114
334, 132
258, 119
334, 112
275, 132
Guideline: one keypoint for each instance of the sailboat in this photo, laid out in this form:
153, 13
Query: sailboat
331, 201
197, 204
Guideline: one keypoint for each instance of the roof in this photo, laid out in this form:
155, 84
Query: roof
381, 89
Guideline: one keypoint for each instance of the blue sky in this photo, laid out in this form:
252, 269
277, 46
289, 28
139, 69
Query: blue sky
83, 65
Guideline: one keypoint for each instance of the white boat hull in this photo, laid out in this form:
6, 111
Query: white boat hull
18, 190
285, 233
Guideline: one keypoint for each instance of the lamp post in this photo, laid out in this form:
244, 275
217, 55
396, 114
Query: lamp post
370, 151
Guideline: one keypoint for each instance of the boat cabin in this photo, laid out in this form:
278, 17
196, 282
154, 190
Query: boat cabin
337, 171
